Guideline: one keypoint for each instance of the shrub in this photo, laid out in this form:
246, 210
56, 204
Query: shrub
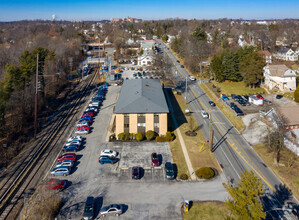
183, 176
218, 90
150, 135
205, 173
132, 136
296, 94
213, 86
112, 137
139, 136
123, 136
169, 137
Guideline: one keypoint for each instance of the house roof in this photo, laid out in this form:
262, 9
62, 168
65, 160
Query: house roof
283, 50
265, 52
141, 96
289, 114
280, 70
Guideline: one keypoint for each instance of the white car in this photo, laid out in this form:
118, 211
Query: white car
82, 123
192, 78
79, 138
75, 142
92, 108
82, 131
204, 114
109, 153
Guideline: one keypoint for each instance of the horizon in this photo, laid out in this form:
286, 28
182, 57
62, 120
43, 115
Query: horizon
18, 10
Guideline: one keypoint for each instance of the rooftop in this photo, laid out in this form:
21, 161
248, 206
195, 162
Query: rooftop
289, 114
141, 96
280, 71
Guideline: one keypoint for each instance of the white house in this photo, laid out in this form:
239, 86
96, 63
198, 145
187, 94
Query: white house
279, 77
286, 54
146, 59
297, 51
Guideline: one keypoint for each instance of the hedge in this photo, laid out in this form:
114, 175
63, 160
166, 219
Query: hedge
125, 136
205, 173
184, 176
139, 136
150, 135
169, 137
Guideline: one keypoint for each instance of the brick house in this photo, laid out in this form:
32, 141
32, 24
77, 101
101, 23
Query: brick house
141, 106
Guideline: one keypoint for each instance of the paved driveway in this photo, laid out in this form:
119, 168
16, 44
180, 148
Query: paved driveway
152, 197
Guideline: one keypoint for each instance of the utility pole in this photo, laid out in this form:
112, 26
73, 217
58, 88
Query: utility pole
200, 72
35, 99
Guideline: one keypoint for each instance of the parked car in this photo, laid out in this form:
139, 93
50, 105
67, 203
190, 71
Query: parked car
238, 97
182, 66
74, 142
224, 97
233, 105
95, 109
204, 114
65, 163
83, 123
67, 156
79, 138
88, 212
135, 172
108, 152
82, 131
71, 148
169, 172
155, 159
88, 118
279, 96
112, 209
259, 96
60, 171
106, 159
233, 97
54, 184
212, 103
192, 78
246, 97
242, 102
83, 127
91, 114
238, 111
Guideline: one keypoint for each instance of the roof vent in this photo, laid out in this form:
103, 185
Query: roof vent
146, 85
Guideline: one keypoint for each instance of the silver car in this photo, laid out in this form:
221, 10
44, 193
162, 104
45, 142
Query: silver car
61, 171
73, 142
79, 138
65, 163
112, 209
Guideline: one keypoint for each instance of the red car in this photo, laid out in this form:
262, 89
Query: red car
54, 184
68, 156
259, 96
83, 127
91, 114
155, 159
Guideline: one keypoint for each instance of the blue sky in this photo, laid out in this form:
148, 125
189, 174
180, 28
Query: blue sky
11, 10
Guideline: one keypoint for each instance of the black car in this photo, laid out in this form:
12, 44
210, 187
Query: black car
169, 172
233, 97
242, 102
246, 97
238, 97
88, 212
212, 103
135, 172
233, 105
238, 111
182, 66
279, 96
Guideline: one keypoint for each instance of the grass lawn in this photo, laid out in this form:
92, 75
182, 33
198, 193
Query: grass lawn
206, 211
198, 158
288, 174
235, 120
238, 88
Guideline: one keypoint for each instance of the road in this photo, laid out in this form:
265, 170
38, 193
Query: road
231, 150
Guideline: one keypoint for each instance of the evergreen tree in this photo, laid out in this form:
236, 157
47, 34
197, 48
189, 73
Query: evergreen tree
245, 203
199, 34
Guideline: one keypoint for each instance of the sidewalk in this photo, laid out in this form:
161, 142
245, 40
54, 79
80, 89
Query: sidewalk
189, 165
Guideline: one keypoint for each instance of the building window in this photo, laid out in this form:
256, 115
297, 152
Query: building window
126, 123
140, 123
156, 123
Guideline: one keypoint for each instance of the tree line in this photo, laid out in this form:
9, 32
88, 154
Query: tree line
243, 64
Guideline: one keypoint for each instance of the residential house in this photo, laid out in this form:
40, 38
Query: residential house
279, 77
146, 59
286, 54
266, 55
245, 43
141, 107
281, 41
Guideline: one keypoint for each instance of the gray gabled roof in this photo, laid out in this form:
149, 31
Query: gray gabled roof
283, 50
141, 96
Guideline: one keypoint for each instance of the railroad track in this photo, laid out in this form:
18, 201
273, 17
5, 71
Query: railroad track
14, 185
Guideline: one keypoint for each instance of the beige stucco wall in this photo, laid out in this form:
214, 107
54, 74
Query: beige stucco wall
149, 122
133, 123
162, 124
119, 122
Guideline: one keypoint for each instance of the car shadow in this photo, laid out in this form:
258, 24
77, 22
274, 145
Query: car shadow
98, 203
160, 158
79, 156
141, 172
175, 170
68, 184
124, 208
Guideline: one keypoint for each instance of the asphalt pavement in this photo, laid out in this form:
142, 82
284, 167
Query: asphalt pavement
231, 150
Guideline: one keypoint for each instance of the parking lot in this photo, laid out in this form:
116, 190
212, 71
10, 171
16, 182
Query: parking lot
151, 197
